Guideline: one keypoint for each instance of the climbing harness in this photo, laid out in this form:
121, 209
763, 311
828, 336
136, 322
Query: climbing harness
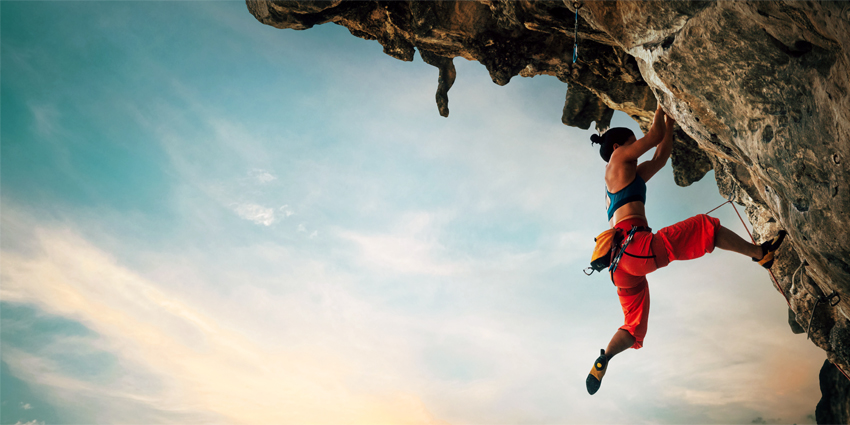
610, 248
819, 298
615, 261
576, 6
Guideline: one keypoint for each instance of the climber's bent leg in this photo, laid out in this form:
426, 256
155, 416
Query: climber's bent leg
621, 340
635, 304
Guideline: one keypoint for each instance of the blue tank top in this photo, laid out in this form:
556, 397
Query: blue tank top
635, 191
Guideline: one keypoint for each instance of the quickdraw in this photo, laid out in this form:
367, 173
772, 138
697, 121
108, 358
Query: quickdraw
576, 6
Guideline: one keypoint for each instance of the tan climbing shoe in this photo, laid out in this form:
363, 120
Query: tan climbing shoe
594, 378
769, 249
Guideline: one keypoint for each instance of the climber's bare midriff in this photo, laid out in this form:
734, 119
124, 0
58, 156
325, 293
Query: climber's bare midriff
634, 209
619, 175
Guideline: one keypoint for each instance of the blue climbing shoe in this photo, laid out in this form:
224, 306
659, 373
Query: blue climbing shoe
769, 248
594, 378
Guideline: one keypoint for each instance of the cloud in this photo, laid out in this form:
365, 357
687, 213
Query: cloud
401, 254
201, 363
310, 330
256, 213
412, 247
26, 406
430, 243
262, 176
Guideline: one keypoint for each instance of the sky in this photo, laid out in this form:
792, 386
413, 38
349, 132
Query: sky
210, 220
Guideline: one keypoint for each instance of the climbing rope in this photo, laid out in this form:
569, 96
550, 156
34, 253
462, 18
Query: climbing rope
576, 6
772, 277
819, 298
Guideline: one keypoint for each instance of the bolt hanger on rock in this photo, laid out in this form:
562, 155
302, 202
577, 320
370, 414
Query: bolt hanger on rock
832, 299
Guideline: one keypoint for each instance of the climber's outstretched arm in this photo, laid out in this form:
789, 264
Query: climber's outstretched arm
647, 169
632, 151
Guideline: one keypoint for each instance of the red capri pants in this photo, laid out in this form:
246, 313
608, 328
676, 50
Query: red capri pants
684, 240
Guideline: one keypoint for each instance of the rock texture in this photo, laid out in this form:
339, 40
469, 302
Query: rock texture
760, 90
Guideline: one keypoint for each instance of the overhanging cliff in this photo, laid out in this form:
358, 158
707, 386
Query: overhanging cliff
760, 90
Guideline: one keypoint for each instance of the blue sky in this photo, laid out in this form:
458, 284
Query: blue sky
205, 219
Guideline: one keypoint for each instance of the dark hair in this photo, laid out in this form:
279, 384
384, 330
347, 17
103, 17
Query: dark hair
617, 135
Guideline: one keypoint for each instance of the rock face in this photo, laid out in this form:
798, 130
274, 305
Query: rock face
760, 90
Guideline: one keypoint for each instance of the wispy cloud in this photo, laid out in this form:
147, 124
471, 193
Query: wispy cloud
221, 371
413, 248
261, 176
256, 213
401, 254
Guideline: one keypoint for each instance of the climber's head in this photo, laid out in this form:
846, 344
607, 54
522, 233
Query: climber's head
612, 139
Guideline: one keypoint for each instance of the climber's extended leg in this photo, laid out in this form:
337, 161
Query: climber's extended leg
762, 254
730, 241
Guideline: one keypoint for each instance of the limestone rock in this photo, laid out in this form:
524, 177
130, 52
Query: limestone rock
583, 107
760, 90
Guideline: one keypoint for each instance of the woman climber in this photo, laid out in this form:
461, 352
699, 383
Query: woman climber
625, 182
